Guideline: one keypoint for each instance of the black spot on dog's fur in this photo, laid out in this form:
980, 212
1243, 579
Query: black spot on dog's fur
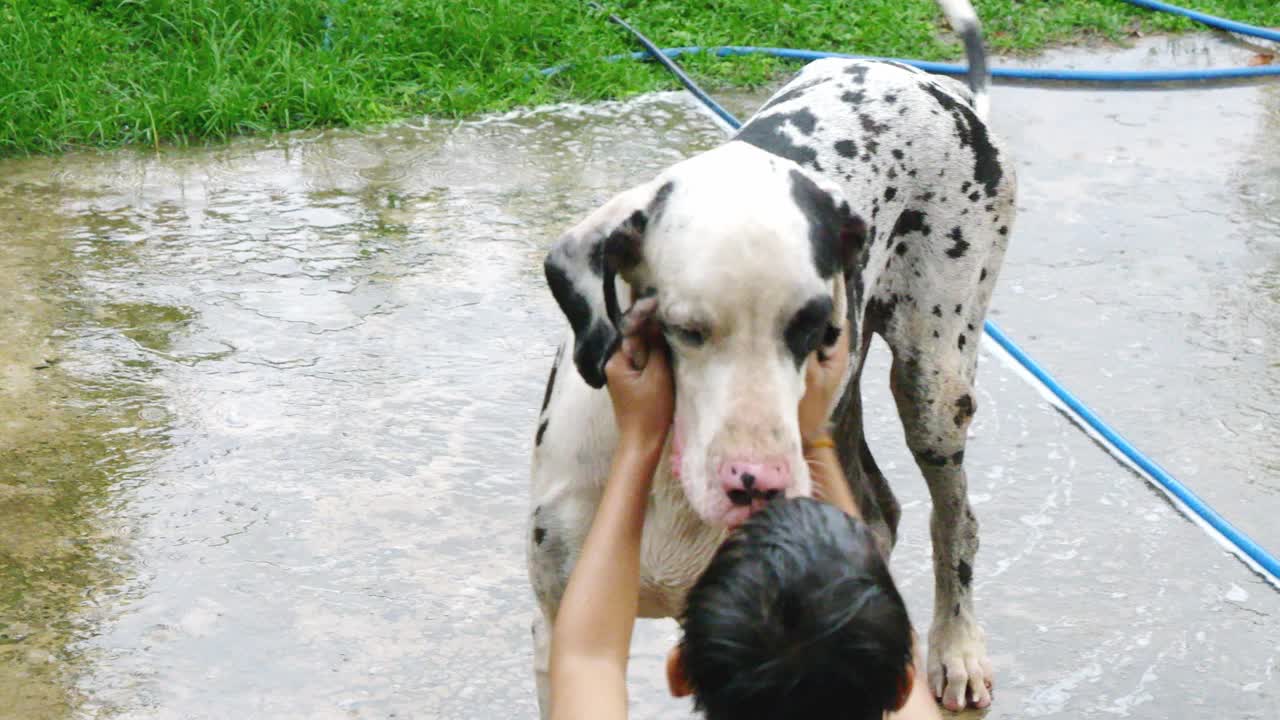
964, 409
974, 196
930, 457
971, 133
879, 312
846, 149
835, 233
539, 532
961, 342
937, 310
871, 126
982, 276
767, 134
854, 98
964, 572
858, 73
551, 551
1004, 230
901, 249
890, 193
959, 308
551, 381
961, 246
911, 221
897, 154
804, 120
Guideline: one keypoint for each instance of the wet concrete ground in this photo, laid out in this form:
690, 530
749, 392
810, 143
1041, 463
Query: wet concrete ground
266, 411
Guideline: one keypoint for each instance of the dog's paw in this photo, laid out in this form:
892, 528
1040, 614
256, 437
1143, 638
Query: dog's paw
959, 672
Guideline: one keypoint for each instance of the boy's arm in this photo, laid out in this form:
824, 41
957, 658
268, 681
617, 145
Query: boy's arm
591, 636
829, 483
823, 377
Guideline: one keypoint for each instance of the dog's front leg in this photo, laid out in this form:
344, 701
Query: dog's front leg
549, 565
934, 393
542, 662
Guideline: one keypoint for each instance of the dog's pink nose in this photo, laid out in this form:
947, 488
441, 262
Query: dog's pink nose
747, 480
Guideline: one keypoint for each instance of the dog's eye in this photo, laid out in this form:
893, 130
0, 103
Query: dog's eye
691, 335
831, 335
807, 330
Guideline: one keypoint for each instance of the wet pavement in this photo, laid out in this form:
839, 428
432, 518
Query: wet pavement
266, 411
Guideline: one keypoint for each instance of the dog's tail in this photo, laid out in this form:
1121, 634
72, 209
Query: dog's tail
964, 21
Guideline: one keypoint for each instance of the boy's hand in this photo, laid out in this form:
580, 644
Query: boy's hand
640, 384
822, 376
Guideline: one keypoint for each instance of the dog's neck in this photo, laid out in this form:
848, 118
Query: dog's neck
676, 548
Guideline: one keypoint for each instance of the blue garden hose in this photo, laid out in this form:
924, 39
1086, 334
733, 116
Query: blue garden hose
1209, 20
1035, 74
1232, 538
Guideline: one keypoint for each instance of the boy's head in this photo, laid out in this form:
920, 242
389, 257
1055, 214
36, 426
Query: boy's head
795, 617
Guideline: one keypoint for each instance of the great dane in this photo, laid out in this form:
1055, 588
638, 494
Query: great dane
863, 198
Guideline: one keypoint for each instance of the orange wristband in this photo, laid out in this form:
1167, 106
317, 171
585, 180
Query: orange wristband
822, 441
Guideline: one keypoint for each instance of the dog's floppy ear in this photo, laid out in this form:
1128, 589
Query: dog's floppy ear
582, 267
837, 238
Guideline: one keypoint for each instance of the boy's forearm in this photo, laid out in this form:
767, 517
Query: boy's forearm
829, 482
599, 606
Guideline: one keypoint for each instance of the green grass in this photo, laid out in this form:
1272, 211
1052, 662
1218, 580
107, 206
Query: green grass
102, 73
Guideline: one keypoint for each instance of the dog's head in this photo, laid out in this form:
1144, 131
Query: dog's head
746, 254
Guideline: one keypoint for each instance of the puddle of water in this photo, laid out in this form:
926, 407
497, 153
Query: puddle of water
267, 411
80, 424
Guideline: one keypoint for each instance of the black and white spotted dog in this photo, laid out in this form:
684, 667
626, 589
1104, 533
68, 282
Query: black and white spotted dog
864, 196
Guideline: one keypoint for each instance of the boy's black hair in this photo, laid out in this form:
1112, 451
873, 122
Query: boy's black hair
796, 617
